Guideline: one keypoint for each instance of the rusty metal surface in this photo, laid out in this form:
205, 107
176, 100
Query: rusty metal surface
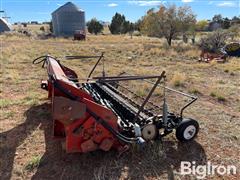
106, 144
66, 110
88, 146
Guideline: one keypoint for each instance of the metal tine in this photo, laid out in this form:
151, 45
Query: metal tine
130, 100
149, 102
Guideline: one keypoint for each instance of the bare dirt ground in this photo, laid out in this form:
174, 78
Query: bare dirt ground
28, 151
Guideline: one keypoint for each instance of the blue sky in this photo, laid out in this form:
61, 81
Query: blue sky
40, 10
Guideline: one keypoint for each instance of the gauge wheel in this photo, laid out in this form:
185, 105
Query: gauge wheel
149, 132
187, 130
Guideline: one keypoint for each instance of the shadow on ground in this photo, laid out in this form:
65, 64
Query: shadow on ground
161, 159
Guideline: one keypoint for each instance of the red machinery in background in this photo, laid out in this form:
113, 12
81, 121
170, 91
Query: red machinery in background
79, 35
94, 114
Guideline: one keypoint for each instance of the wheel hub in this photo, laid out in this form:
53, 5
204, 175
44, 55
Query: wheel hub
189, 132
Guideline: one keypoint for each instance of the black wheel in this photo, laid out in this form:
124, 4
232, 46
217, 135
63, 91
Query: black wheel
187, 130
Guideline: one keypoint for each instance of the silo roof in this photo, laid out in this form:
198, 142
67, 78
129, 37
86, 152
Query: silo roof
69, 6
4, 25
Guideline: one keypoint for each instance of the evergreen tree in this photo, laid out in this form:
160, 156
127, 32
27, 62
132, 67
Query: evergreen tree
119, 25
94, 26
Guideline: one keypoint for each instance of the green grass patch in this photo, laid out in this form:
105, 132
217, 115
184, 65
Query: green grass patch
5, 103
33, 163
213, 94
32, 98
219, 96
178, 79
221, 82
226, 70
141, 92
6, 114
194, 91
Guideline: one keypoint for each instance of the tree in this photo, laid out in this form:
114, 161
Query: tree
137, 25
126, 27
201, 25
186, 19
131, 27
168, 21
94, 26
225, 23
149, 25
236, 20
217, 18
119, 25
116, 23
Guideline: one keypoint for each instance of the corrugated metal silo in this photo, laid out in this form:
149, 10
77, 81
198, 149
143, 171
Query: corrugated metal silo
67, 19
4, 25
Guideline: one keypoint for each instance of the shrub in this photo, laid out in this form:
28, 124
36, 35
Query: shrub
213, 94
178, 79
233, 31
42, 28
214, 41
221, 98
194, 91
218, 95
226, 71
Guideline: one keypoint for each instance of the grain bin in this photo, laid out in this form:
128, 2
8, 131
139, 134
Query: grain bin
4, 25
68, 19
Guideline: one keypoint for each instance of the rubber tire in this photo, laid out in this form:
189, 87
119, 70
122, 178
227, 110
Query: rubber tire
182, 126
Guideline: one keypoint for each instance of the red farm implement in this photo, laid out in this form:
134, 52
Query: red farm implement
94, 114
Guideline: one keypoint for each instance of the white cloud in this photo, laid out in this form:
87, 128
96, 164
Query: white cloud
59, 4
226, 4
112, 5
147, 3
187, 1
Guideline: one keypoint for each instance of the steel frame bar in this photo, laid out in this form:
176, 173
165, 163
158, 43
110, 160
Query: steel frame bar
149, 95
193, 98
126, 78
87, 57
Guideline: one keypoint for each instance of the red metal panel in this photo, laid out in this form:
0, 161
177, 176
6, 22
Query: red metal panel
81, 132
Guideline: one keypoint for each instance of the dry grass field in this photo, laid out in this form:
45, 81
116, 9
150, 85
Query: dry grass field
27, 150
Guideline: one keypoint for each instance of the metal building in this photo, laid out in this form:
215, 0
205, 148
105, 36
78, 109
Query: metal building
4, 25
68, 19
